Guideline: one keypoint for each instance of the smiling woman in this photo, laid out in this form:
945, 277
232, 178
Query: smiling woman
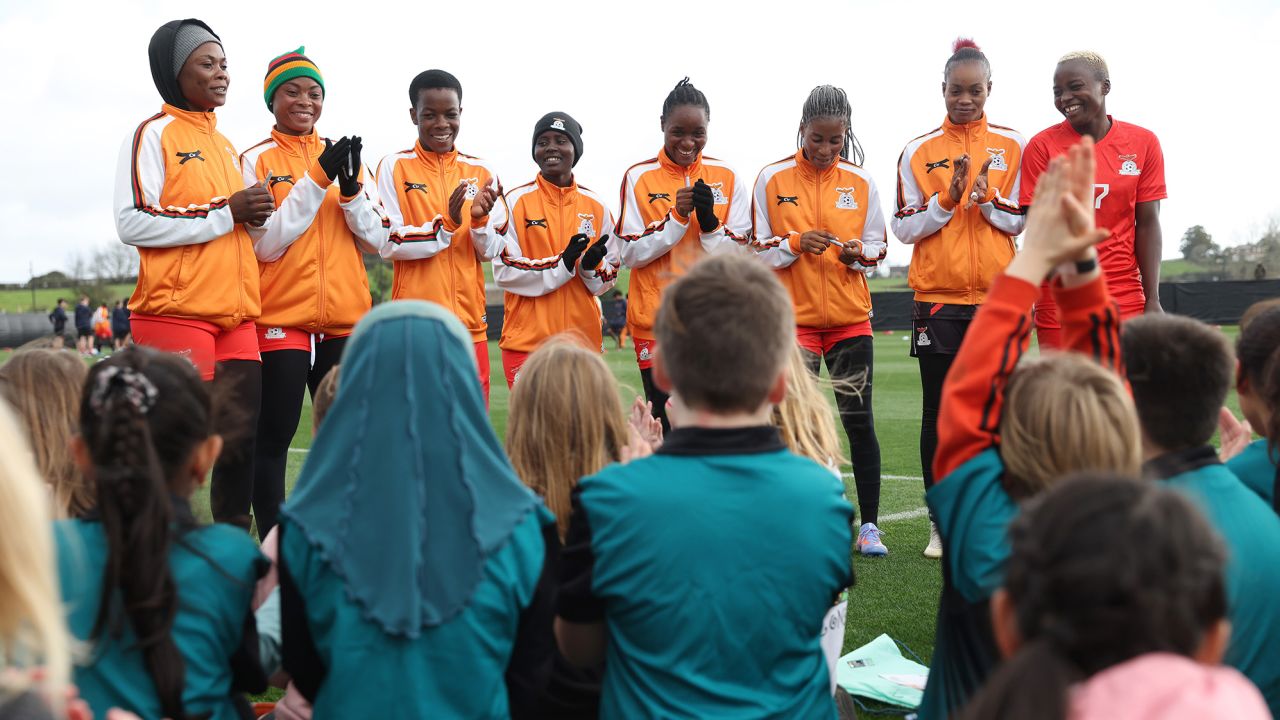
180, 199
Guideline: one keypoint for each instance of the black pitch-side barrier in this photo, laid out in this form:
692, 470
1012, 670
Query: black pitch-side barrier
1217, 303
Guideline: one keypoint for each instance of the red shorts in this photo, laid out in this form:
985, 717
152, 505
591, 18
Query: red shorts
203, 343
819, 341
271, 339
512, 361
644, 351
1049, 332
482, 365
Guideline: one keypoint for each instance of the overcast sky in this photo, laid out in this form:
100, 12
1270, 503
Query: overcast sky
1202, 76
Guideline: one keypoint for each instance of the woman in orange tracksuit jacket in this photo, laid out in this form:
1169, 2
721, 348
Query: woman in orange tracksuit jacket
818, 221
558, 235
314, 286
180, 199
961, 227
676, 208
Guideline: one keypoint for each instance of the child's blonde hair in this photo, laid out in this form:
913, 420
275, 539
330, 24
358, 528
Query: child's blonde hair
1064, 414
805, 417
566, 421
32, 628
43, 386
326, 391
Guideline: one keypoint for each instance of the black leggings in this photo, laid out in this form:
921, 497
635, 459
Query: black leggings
284, 375
655, 395
851, 361
933, 372
238, 383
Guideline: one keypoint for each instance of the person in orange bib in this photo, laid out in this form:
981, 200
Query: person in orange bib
960, 225
1128, 188
314, 286
676, 208
180, 199
818, 222
559, 256
447, 212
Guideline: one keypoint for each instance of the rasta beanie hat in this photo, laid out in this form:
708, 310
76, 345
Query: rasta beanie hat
561, 122
286, 67
171, 45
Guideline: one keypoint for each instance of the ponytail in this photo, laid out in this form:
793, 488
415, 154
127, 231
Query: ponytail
120, 417
1033, 683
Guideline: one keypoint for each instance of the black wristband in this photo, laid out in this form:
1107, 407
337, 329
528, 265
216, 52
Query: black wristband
1086, 266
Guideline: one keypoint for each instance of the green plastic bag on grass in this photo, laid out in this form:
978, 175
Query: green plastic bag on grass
878, 671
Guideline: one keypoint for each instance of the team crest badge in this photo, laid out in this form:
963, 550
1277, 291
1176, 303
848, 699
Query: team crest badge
997, 159
273, 334
1129, 165
922, 340
717, 190
645, 355
557, 124
473, 187
846, 200
587, 224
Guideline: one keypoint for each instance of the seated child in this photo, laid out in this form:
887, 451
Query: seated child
161, 603
1257, 385
1180, 371
700, 574
997, 419
1137, 631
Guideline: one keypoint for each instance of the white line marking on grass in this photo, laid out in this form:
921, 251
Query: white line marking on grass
908, 515
917, 478
299, 450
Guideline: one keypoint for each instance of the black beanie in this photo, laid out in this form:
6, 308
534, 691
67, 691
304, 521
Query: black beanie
564, 123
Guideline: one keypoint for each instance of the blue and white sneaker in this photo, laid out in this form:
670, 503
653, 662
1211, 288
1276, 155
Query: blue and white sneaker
869, 541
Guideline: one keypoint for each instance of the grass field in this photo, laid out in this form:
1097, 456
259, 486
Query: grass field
898, 594
19, 301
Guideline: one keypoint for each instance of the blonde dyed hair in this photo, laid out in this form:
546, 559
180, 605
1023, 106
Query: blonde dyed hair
43, 386
326, 391
1095, 62
805, 418
1064, 414
33, 632
565, 421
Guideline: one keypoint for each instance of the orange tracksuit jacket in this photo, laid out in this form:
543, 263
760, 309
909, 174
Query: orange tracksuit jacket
957, 251
173, 182
973, 397
312, 274
792, 197
542, 296
433, 259
658, 244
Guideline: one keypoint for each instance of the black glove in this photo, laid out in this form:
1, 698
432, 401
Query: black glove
349, 172
334, 157
704, 201
577, 244
594, 254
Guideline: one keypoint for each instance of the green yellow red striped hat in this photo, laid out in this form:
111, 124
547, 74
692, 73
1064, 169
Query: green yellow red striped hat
287, 67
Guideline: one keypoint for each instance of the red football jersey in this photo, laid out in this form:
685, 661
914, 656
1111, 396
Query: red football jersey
1130, 171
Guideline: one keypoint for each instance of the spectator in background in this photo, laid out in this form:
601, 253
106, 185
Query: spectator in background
84, 326
120, 324
59, 319
101, 328
615, 317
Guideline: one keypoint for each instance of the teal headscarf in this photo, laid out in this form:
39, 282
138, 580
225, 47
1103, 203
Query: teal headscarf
406, 491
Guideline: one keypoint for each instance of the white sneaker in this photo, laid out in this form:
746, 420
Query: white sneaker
934, 549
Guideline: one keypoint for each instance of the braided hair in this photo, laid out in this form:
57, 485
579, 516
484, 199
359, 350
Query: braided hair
1159, 588
966, 50
138, 447
684, 93
829, 101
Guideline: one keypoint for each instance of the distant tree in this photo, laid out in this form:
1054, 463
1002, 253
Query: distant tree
115, 262
1197, 245
379, 282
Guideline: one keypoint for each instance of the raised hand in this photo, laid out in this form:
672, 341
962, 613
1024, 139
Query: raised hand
1235, 435
979, 186
959, 179
349, 172
704, 203
573, 250
594, 254
684, 201
1060, 225
334, 157
483, 201
645, 425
